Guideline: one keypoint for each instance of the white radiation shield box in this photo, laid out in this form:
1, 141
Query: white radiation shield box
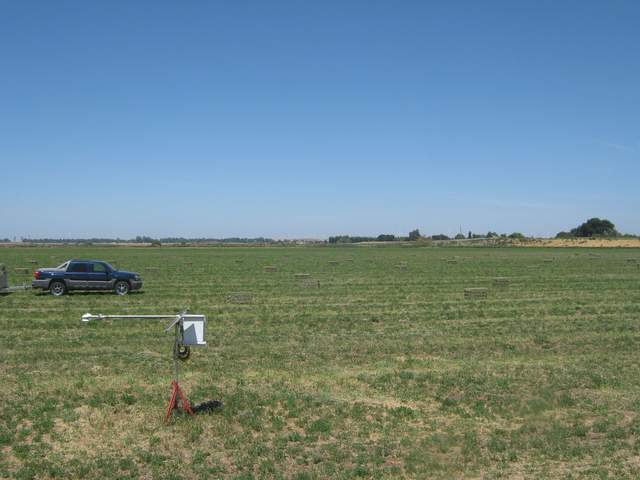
193, 330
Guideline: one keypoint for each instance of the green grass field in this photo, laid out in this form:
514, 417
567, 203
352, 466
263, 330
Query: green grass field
378, 372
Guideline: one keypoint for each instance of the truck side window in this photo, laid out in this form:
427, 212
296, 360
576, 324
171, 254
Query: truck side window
77, 267
98, 268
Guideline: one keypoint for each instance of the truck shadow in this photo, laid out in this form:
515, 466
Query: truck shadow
91, 293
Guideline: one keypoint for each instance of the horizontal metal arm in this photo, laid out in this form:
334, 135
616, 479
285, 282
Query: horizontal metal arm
87, 317
189, 329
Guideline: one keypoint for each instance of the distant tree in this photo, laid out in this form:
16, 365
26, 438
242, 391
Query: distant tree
348, 239
386, 238
144, 239
564, 235
470, 235
492, 235
460, 236
595, 226
440, 237
340, 239
414, 234
517, 236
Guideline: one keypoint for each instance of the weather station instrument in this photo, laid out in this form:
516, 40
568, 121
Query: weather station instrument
189, 331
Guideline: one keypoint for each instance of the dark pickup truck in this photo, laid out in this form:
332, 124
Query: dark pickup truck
85, 275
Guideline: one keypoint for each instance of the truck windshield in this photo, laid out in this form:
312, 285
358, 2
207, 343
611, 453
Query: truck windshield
63, 266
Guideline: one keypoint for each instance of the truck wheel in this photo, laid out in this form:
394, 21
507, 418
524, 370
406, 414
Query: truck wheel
57, 288
121, 287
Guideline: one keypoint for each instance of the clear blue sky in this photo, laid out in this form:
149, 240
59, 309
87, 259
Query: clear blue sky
308, 119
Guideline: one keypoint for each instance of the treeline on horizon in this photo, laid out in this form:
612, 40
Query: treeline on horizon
146, 239
415, 235
594, 227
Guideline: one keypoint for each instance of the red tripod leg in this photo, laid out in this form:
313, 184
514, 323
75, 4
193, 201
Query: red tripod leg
174, 400
185, 403
173, 404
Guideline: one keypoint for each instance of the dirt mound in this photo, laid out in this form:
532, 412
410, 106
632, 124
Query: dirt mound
583, 242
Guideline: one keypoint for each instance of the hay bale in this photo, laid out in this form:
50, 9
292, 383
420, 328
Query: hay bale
33, 262
452, 261
21, 270
501, 281
240, 297
309, 283
300, 276
270, 269
474, 293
